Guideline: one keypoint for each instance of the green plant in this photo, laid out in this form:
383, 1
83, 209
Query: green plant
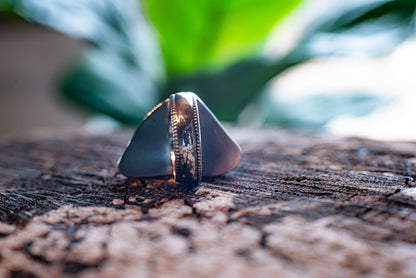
208, 46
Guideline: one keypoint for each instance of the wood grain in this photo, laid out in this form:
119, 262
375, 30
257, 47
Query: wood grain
298, 205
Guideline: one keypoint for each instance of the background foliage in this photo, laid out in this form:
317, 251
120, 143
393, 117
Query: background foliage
140, 52
199, 34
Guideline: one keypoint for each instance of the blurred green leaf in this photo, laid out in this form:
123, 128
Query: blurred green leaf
364, 28
103, 81
120, 72
213, 33
5, 5
371, 28
313, 111
229, 91
367, 27
6, 11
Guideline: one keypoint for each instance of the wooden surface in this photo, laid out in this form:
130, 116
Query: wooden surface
297, 206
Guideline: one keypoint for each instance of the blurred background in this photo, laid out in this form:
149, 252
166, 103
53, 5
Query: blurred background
316, 65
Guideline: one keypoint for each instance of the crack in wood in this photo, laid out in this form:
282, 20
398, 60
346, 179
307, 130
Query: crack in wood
297, 205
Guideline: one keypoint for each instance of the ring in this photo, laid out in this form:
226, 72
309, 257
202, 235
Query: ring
183, 138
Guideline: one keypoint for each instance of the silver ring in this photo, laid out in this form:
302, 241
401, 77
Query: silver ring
183, 138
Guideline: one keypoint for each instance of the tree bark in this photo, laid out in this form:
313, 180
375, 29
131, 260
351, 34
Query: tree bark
297, 206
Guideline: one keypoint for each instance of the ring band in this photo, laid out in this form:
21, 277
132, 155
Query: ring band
184, 131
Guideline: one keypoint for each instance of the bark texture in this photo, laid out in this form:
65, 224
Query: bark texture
297, 206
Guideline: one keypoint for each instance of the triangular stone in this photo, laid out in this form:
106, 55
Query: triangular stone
148, 153
220, 153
